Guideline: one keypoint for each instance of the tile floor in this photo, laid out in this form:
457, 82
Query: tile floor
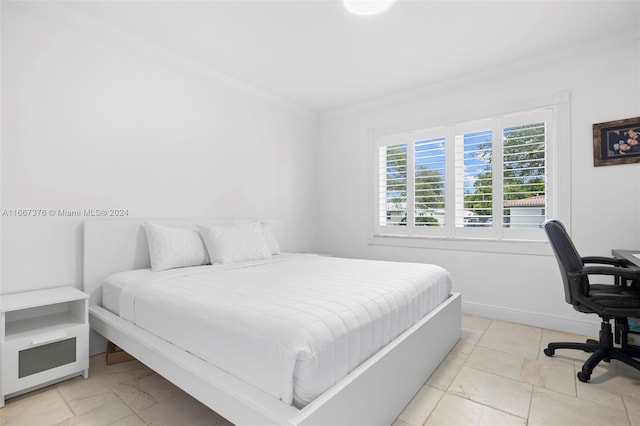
496, 375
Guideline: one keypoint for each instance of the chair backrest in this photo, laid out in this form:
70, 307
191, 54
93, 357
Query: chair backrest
568, 258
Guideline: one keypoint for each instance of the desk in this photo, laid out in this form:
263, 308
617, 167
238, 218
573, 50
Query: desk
627, 256
628, 338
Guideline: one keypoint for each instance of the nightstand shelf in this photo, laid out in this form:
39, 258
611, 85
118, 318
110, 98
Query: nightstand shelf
44, 338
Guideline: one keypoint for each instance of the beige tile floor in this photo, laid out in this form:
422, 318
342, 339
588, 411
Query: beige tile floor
496, 375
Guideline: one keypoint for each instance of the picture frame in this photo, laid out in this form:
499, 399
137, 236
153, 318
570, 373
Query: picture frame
616, 142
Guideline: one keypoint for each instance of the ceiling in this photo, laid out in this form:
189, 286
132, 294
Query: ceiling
318, 56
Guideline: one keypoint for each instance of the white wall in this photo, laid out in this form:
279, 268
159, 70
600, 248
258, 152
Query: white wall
603, 81
95, 120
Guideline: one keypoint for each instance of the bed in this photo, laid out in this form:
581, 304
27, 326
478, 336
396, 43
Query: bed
388, 367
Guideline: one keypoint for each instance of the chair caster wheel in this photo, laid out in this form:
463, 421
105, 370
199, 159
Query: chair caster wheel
549, 352
583, 377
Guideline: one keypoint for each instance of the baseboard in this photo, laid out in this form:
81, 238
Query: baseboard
587, 327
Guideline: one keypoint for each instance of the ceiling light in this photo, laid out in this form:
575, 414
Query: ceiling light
367, 7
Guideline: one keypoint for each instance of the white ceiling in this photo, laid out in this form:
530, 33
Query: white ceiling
316, 55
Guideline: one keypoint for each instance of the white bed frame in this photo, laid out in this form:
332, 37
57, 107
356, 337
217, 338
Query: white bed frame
375, 393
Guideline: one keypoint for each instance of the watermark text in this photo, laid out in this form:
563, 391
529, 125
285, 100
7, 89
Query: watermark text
65, 212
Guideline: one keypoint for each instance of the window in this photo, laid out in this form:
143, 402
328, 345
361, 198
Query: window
491, 178
393, 184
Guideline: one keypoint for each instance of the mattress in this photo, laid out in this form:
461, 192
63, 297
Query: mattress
291, 325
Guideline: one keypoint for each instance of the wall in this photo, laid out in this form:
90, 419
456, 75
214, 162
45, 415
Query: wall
602, 78
94, 119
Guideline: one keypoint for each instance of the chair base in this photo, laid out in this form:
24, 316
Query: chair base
603, 350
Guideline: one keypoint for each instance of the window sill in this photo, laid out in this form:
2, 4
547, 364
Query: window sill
530, 247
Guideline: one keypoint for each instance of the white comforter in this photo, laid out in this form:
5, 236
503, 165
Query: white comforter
292, 325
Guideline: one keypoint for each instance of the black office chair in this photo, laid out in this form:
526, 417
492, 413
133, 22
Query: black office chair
617, 301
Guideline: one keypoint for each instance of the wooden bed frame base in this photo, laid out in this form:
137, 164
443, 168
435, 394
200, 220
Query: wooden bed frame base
375, 393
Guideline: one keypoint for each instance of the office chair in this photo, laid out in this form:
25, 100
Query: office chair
617, 301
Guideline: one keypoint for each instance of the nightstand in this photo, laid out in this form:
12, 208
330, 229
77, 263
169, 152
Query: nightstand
44, 338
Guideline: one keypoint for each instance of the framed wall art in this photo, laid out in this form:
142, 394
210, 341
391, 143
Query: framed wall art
616, 142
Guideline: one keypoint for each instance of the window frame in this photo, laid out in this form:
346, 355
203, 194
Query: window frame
482, 239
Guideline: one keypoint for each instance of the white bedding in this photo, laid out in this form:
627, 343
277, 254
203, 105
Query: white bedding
291, 325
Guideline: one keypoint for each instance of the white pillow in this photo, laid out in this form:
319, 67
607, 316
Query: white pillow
270, 238
174, 247
235, 242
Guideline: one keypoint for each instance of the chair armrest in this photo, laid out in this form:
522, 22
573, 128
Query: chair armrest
603, 260
629, 274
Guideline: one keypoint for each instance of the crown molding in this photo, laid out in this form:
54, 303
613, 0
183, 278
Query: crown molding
621, 40
132, 43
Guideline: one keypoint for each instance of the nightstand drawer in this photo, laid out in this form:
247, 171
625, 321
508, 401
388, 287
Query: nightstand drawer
40, 358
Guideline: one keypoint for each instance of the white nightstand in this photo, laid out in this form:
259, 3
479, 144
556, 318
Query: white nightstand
44, 338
